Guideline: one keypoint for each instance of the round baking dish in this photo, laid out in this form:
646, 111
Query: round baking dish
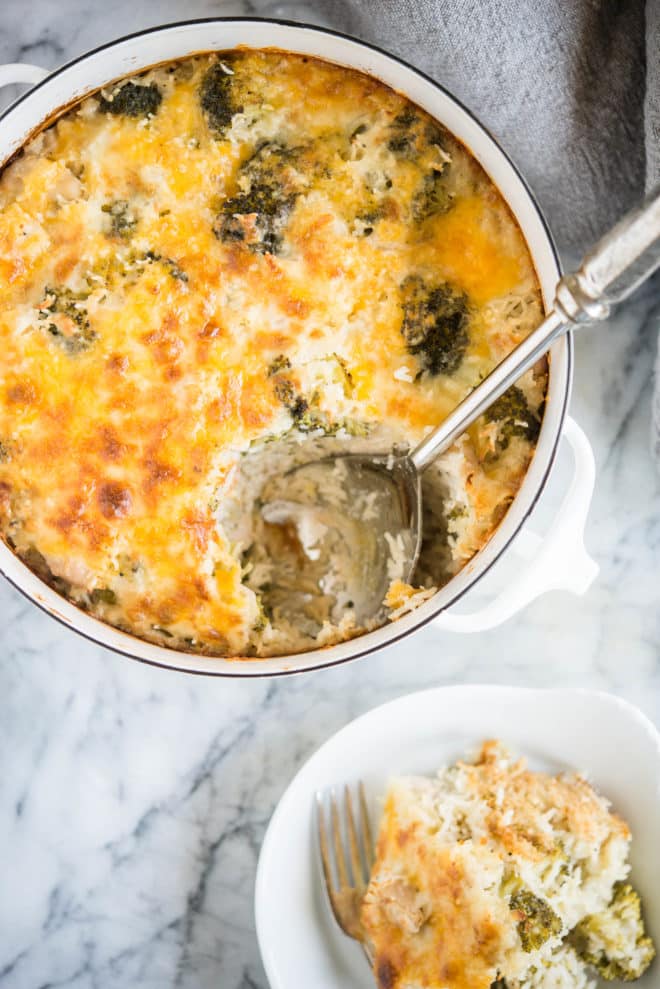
557, 561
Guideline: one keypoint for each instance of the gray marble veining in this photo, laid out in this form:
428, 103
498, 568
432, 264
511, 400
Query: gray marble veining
133, 801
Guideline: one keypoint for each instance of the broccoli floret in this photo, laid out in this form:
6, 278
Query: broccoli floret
514, 417
404, 132
261, 623
368, 219
270, 211
103, 595
285, 392
500, 984
434, 197
217, 96
305, 412
66, 319
173, 268
413, 137
537, 921
123, 220
614, 941
257, 217
411, 133
281, 363
131, 99
265, 166
37, 562
435, 325
305, 418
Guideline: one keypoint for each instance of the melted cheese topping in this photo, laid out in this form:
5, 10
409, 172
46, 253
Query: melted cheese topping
216, 253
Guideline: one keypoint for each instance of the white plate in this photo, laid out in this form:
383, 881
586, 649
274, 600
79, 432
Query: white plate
598, 734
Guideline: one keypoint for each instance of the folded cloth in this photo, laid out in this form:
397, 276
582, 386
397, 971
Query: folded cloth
571, 88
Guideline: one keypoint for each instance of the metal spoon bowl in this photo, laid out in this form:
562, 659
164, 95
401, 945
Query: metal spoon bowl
365, 540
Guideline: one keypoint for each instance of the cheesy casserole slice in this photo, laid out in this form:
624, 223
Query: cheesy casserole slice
224, 251
492, 876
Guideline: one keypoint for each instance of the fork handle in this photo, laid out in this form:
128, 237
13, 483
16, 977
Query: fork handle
368, 952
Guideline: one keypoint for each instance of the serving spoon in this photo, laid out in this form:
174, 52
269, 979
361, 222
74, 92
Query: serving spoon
371, 504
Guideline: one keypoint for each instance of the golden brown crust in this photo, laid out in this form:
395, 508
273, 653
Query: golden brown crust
459, 943
518, 799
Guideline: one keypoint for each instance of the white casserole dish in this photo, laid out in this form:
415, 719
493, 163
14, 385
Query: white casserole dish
559, 560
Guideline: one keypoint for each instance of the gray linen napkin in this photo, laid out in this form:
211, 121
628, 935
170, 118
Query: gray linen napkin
570, 87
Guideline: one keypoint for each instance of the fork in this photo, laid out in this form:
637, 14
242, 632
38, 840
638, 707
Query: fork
347, 856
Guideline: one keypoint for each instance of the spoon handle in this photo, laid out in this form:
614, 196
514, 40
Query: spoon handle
624, 258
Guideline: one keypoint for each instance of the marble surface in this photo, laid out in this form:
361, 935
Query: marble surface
133, 801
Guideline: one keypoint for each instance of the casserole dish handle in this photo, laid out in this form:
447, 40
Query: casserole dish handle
557, 561
21, 72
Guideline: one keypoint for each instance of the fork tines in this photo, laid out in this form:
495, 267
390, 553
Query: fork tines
346, 848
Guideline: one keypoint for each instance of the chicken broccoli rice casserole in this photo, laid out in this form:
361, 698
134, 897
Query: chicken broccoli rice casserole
491, 876
222, 252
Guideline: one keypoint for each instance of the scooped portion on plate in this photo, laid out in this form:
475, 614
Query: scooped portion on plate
491, 876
